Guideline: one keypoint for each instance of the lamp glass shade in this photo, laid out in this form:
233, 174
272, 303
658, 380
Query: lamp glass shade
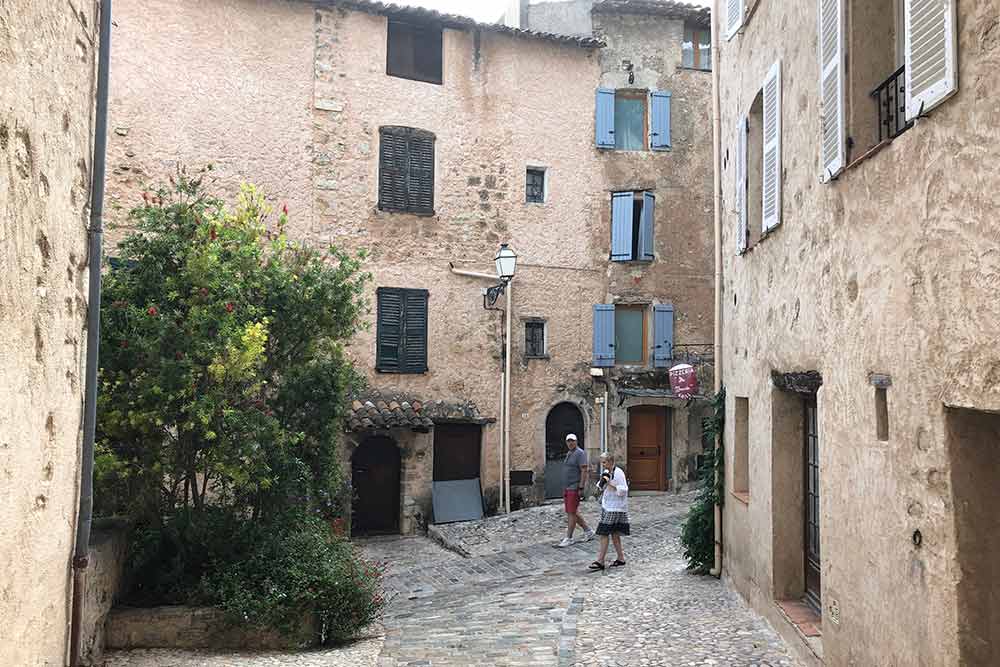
506, 261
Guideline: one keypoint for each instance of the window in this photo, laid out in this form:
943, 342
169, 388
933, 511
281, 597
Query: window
534, 180
881, 414
696, 50
406, 170
734, 17
758, 164
622, 121
630, 335
741, 452
632, 219
401, 345
414, 51
534, 338
621, 335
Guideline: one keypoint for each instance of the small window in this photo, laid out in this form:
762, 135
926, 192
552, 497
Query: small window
535, 185
414, 51
630, 121
406, 170
630, 335
632, 218
534, 338
401, 345
696, 50
881, 414
741, 453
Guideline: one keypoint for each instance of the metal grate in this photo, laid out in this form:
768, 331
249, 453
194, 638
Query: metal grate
534, 339
890, 98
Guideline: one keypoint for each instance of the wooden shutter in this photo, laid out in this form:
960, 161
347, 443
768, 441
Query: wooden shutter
604, 335
663, 335
393, 168
420, 190
772, 149
414, 331
659, 114
646, 227
734, 17
831, 86
389, 334
621, 226
742, 228
605, 118
930, 54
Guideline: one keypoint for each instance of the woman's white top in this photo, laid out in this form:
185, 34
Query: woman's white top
616, 499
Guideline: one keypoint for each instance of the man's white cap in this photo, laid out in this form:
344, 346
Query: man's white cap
571, 436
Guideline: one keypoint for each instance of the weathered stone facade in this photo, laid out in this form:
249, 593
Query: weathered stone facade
889, 270
47, 53
508, 101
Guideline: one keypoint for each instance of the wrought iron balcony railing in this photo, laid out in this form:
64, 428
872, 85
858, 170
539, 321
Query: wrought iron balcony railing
890, 98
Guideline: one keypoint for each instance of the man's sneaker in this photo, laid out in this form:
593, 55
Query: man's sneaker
565, 542
588, 536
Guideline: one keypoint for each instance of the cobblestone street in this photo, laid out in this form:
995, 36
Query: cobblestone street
517, 600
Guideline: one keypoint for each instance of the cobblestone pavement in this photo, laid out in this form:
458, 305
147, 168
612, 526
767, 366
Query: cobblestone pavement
517, 601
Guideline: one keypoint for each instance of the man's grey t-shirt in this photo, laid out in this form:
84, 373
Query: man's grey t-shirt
574, 460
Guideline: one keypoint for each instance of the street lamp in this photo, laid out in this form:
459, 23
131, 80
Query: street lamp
506, 263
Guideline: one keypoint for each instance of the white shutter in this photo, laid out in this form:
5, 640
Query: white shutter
772, 149
734, 17
930, 54
831, 86
741, 185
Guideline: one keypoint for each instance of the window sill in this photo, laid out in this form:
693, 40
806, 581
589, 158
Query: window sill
399, 372
542, 357
742, 496
435, 82
393, 211
641, 262
536, 203
682, 68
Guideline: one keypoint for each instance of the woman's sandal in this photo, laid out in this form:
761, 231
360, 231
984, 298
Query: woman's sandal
595, 566
618, 563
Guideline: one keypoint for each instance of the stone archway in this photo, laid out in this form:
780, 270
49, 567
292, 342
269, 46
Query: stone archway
562, 419
375, 477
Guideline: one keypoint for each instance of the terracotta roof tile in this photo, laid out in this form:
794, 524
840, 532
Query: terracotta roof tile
682, 10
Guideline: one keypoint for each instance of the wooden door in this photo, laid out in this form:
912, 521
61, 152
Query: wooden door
456, 451
648, 448
375, 469
811, 496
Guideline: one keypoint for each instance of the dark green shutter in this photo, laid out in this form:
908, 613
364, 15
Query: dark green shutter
406, 170
421, 184
414, 331
401, 333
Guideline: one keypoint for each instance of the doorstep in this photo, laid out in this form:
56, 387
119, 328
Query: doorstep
806, 621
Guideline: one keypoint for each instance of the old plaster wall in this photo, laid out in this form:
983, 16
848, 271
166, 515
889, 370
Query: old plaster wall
890, 269
221, 83
562, 17
47, 53
505, 103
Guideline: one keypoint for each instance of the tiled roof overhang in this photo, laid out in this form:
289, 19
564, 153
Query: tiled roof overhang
458, 22
669, 8
382, 410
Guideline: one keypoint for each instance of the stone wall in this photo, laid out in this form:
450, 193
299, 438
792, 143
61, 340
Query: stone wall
108, 545
47, 54
890, 269
563, 17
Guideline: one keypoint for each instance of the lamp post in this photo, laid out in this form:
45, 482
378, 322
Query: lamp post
506, 263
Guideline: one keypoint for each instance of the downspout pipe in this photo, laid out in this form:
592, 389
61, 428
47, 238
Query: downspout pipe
716, 570
85, 514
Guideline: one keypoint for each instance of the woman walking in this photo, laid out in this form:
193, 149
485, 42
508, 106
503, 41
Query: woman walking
614, 512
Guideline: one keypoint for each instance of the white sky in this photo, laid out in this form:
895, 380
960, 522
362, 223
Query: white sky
481, 10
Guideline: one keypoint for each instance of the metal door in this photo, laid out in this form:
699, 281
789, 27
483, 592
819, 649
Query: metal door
812, 540
375, 469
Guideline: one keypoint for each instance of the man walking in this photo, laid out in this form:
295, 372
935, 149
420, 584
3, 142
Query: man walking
575, 473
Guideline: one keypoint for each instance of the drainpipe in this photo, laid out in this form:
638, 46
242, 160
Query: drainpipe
504, 393
716, 570
85, 515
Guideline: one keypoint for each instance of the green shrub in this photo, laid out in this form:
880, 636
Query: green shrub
698, 531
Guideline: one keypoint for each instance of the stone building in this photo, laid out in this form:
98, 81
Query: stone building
429, 140
47, 74
861, 264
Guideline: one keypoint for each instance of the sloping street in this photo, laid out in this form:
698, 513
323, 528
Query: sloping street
514, 599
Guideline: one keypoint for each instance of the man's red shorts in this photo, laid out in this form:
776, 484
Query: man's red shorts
571, 500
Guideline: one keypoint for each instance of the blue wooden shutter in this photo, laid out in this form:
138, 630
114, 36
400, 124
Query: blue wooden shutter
663, 335
621, 226
604, 335
605, 118
659, 126
414, 331
389, 336
646, 227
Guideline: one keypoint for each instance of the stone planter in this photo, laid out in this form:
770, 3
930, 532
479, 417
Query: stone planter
192, 627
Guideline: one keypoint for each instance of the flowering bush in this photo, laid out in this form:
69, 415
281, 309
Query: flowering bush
222, 388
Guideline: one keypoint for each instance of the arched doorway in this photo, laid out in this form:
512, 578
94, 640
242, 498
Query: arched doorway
375, 469
564, 418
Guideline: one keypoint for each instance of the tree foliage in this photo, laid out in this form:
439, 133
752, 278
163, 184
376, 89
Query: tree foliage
698, 531
222, 386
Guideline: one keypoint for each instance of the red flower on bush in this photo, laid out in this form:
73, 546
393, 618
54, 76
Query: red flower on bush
152, 312
203, 291
214, 234
230, 307
284, 209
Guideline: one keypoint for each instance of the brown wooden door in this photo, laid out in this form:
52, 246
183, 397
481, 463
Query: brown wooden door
648, 448
375, 478
456, 451
811, 458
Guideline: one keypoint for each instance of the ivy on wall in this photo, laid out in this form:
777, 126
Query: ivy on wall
698, 531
